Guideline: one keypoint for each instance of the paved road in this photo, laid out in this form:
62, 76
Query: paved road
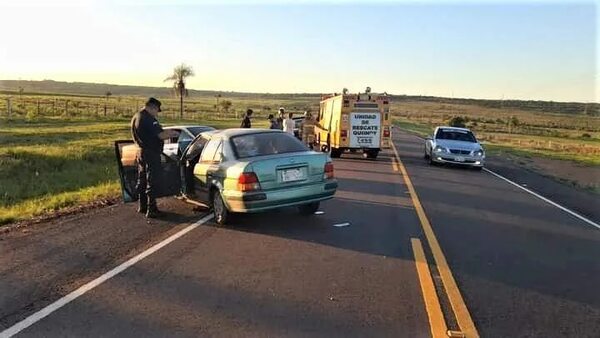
523, 267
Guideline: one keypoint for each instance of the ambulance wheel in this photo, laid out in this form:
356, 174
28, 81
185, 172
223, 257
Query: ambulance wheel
371, 154
336, 152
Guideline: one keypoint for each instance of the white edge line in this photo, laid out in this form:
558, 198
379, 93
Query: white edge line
39, 315
573, 213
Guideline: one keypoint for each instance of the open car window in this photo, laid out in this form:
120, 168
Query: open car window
208, 154
261, 144
195, 149
455, 135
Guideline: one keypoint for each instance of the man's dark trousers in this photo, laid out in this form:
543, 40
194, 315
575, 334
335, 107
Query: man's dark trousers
149, 173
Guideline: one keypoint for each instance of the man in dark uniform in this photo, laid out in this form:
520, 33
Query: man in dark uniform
246, 123
149, 135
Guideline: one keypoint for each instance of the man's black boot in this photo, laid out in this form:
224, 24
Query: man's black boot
142, 209
152, 212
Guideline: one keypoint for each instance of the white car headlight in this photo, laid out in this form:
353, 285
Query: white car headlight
478, 152
439, 149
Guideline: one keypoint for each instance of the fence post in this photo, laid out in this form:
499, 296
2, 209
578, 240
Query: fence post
8, 107
54, 107
38, 107
66, 107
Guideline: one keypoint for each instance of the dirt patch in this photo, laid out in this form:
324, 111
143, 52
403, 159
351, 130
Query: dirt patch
580, 176
71, 211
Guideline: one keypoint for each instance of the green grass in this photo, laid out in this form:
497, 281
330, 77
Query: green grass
57, 150
581, 151
417, 128
496, 149
51, 164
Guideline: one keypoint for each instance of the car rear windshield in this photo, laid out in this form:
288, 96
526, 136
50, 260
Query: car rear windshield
456, 135
197, 130
261, 144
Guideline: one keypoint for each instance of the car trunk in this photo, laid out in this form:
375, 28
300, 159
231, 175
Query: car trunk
287, 170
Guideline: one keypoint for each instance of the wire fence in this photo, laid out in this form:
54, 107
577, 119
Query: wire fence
39, 106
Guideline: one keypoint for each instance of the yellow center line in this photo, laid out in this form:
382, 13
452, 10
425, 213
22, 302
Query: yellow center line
463, 317
432, 303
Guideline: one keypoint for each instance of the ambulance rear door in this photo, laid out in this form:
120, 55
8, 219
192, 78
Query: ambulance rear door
365, 129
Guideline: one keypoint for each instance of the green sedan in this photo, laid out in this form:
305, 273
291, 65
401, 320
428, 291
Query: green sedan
242, 171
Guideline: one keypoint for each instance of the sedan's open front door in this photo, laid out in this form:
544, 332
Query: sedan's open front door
169, 183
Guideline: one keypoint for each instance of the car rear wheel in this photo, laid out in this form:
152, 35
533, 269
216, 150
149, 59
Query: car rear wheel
309, 209
336, 152
221, 214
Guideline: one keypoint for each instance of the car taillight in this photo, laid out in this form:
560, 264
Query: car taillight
248, 182
328, 171
386, 132
344, 133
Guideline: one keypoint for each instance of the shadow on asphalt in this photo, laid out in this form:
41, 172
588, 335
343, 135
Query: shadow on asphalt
490, 230
381, 216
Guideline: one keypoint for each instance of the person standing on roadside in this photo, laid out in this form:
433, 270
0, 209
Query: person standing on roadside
246, 123
289, 124
280, 118
308, 130
272, 122
148, 135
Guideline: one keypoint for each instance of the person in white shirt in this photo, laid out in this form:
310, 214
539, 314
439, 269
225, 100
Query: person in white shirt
289, 124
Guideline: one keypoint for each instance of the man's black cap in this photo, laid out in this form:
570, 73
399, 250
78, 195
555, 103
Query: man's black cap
154, 102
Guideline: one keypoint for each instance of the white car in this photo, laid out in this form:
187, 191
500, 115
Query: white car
454, 145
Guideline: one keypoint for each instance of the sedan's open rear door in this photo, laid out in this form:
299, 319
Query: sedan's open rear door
169, 183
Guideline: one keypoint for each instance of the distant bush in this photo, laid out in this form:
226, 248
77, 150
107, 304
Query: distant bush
30, 116
586, 135
458, 121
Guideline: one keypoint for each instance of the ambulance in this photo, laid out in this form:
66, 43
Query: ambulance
354, 122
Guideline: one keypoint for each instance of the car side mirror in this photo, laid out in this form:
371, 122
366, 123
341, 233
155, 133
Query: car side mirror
429, 137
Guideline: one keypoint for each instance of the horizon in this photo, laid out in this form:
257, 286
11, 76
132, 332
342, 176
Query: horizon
541, 51
260, 93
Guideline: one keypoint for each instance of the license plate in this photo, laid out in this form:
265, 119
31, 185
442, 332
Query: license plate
459, 159
291, 175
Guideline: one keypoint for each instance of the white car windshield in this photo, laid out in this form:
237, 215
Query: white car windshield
455, 135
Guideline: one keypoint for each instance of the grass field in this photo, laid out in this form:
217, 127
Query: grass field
574, 137
57, 150
50, 164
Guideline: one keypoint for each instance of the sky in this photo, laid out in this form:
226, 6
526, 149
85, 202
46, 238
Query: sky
478, 49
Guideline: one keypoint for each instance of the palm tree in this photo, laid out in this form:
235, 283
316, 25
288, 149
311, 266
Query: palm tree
180, 73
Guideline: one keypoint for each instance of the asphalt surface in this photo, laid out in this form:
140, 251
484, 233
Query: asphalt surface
523, 267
